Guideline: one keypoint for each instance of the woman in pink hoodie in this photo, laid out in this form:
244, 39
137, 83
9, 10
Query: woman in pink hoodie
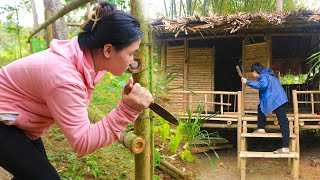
55, 86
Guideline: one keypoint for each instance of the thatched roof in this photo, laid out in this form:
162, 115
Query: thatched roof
300, 19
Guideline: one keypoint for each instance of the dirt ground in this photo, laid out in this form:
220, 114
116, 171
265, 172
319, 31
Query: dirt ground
261, 168
257, 169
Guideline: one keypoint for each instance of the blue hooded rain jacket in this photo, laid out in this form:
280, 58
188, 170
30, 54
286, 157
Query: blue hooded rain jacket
271, 93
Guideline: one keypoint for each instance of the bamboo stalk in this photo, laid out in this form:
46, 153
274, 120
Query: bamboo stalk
172, 170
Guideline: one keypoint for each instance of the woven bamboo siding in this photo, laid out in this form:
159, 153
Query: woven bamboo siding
175, 60
253, 53
200, 73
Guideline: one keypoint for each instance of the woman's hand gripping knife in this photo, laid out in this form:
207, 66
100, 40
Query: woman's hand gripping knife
135, 96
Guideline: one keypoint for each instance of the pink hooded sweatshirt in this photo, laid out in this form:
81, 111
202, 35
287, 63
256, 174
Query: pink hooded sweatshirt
55, 86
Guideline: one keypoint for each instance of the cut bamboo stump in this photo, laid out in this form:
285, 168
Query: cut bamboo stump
131, 141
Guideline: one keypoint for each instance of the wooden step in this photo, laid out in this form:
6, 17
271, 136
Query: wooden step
251, 154
265, 135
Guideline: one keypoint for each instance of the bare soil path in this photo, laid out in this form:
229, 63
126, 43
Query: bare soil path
257, 169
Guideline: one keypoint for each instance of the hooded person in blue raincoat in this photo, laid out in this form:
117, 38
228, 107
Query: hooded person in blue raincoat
272, 98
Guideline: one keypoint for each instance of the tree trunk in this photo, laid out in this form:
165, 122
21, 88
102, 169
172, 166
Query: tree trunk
279, 5
66, 9
59, 27
142, 124
34, 14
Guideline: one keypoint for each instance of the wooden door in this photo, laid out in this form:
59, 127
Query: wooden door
253, 53
175, 61
201, 74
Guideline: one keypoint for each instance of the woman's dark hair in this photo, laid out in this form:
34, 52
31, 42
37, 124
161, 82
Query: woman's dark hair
257, 67
106, 25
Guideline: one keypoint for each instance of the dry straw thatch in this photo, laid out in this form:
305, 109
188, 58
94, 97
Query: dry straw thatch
232, 23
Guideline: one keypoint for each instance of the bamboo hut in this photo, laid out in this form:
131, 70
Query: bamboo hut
203, 52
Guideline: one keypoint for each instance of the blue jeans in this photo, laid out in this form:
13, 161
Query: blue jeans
283, 121
22, 157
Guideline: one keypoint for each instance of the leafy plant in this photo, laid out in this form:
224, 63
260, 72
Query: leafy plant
175, 139
192, 127
164, 129
160, 82
187, 155
314, 60
192, 133
293, 79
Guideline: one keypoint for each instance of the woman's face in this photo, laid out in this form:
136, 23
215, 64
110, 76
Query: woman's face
255, 74
118, 61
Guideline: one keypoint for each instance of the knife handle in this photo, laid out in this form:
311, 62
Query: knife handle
128, 89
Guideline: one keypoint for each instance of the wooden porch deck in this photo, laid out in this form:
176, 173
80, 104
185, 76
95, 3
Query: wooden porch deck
229, 107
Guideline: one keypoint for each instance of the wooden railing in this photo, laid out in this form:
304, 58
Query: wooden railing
308, 118
218, 102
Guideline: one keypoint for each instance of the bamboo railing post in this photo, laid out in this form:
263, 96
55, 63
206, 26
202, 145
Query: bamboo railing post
312, 103
228, 102
296, 132
221, 101
296, 117
190, 102
239, 125
205, 103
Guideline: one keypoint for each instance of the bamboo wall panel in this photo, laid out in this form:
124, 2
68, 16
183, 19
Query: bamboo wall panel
201, 73
253, 53
175, 62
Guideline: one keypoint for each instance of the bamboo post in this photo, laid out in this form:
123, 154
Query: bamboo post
243, 168
296, 118
151, 112
190, 101
221, 101
205, 103
239, 125
228, 102
234, 103
296, 130
142, 124
312, 103
296, 168
185, 66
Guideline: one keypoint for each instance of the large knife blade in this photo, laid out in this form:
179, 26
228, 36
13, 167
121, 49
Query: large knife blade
157, 109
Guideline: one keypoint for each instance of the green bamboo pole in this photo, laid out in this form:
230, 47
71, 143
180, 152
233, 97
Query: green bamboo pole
142, 124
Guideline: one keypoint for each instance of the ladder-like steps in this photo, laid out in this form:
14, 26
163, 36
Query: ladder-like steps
265, 135
252, 154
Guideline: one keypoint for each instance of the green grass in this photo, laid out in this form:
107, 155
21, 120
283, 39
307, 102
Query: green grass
111, 162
